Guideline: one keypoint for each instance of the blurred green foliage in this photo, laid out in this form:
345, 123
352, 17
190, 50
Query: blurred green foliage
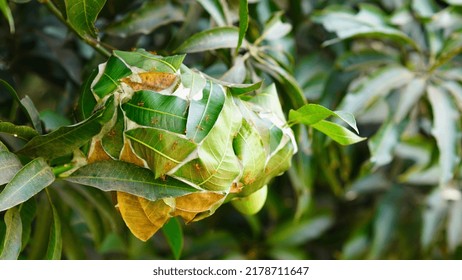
394, 64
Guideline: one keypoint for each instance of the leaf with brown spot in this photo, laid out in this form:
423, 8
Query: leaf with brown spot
155, 81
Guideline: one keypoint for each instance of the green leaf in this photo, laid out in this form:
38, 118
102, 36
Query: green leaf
445, 129
212, 39
174, 234
434, 215
204, 113
12, 244
3, 148
161, 149
364, 60
243, 22
237, 73
215, 9
275, 28
291, 87
192, 80
409, 97
9, 166
113, 70
385, 222
113, 141
129, 178
309, 114
456, 90
378, 84
55, 242
425, 8
65, 140
28, 211
150, 62
268, 101
279, 161
216, 166
31, 179
383, 143
20, 131
7, 13
454, 227
147, 18
82, 14
26, 105
454, 2
370, 22
297, 233
53, 120
153, 109
248, 147
337, 132
87, 101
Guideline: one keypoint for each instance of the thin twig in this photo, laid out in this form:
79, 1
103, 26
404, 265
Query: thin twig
88, 40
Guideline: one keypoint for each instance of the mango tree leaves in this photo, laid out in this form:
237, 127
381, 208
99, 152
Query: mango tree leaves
7, 13
337, 132
384, 141
193, 81
173, 233
362, 96
65, 140
12, 244
275, 28
129, 178
215, 9
150, 62
55, 241
433, 217
212, 39
153, 109
294, 234
454, 227
243, 21
26, 105
20, 131
113, 141
369, 22
409, 96
31, 179
445, 128
9, 166
113, 70
216, 166
161, 149
87, 101
149, 17
250, 150
82, 14
204, 113
143, 217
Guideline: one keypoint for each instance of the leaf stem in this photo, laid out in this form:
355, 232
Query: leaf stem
58, 170
94, 43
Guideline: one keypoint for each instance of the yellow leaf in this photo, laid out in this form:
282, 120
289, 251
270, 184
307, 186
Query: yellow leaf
134, 216
196, 206
128, 155
158, 212
97, 152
